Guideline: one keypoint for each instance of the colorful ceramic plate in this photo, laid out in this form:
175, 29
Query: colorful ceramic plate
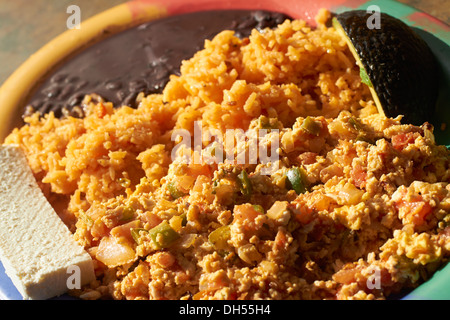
13, 91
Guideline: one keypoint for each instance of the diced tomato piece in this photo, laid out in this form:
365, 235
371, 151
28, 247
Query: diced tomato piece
324, 127
99, 229
307, 158
196, 170
386, 278
359, 176
414, 212
152, 219
165, 259
400, 141
281, 240
346, 275
304, 215
246, 215
124, 231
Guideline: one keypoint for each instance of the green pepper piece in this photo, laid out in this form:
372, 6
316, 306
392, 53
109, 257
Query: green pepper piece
127, 214
219, 237
364, 77
354, 123
363, 137
163, 235
174, 192
245, 183
135, 233
296, 178
183, 219
311, 126
258, 208
265, 123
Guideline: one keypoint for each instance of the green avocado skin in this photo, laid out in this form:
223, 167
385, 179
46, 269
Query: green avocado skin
399, 64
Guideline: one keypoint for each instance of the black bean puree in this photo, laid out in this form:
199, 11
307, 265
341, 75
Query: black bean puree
140, 59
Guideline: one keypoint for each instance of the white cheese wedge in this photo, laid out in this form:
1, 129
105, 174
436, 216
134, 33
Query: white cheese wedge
37, 249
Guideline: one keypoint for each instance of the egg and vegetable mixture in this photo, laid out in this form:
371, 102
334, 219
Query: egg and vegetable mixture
358, 207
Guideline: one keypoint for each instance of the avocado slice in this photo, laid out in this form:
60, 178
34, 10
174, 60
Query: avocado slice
396, 64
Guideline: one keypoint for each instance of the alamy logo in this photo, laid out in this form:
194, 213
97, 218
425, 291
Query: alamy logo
74, 20
74, 280
256, 146
374, 20
374, 280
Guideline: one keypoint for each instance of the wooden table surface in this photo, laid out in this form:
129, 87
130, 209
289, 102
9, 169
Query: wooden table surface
23, 31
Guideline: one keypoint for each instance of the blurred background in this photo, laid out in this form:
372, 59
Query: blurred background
26, 25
